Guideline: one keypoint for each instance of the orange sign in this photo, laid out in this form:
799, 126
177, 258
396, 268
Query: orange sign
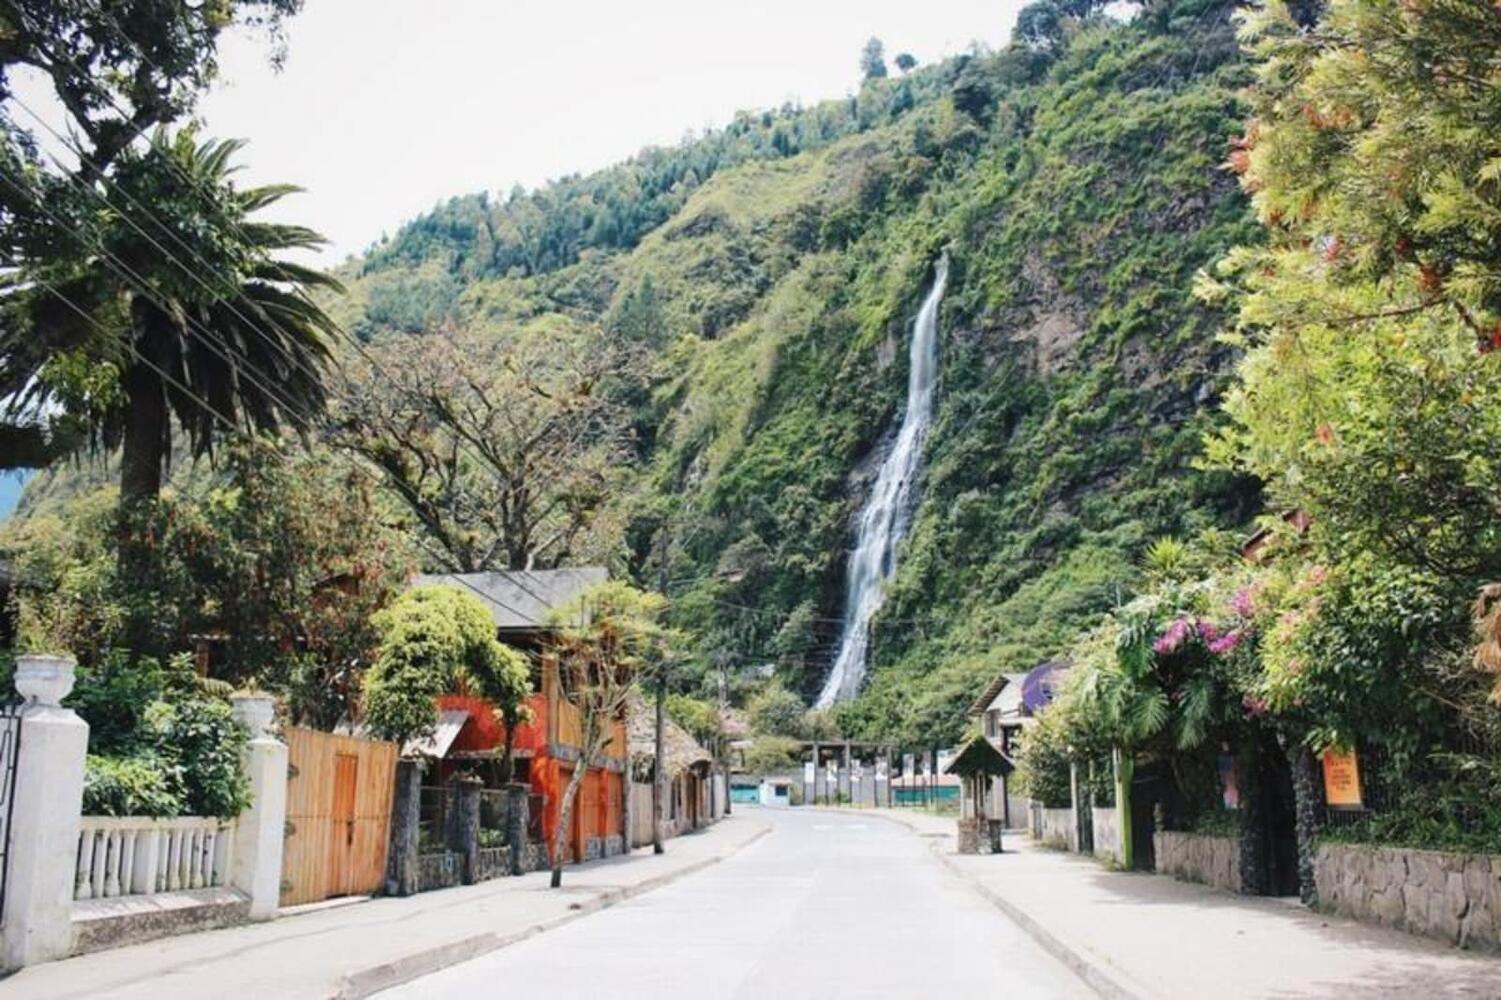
1342, 779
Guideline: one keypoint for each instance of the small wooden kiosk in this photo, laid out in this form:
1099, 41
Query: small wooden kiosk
977, 764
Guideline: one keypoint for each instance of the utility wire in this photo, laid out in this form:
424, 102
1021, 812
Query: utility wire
198, 400
254, 374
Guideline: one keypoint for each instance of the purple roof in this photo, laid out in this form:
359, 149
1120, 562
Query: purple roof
1041, 683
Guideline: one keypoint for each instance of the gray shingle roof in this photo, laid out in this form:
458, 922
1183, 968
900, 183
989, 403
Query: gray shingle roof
522, 599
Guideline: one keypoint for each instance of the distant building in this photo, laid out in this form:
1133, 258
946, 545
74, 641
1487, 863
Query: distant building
1006, 709
692, 799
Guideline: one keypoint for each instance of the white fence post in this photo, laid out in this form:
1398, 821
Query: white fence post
255, 864
47, 805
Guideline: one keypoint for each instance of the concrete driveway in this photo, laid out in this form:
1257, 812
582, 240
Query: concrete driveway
829, 905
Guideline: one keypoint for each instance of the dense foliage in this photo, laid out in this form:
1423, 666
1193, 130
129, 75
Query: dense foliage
272, 574
1364, 400
161, 742
432, 639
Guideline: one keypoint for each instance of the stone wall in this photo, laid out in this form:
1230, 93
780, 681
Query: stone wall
1455, 898
1195, 857
534, 857
1107, 833
439, 870
494, 862
1057, 828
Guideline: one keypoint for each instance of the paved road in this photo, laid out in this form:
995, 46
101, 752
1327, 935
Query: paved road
827, 906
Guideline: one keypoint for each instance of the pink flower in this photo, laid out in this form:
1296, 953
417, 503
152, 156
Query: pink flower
1226, 643
1255, 707
1172, 638
1243, 604
1208, 631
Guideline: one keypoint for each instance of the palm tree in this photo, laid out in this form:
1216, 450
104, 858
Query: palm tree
172, 288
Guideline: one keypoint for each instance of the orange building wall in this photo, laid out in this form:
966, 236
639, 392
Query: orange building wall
599, 811
486, 732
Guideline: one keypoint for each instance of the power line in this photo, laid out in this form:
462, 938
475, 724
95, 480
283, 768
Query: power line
214, 412
259, 378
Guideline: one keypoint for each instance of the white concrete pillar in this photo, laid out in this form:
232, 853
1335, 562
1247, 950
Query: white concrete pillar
259, 833
47, 804
1075, 836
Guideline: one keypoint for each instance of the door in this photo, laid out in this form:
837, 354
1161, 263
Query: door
341, 862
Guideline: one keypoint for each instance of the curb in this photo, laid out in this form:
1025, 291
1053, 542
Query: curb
366, 982
1092, 973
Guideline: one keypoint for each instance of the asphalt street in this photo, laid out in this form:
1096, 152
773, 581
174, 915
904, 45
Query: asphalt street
827, 906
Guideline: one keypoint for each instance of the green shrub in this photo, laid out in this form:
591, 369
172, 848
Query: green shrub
199, 743
128, 786
1456, 814
1218, 823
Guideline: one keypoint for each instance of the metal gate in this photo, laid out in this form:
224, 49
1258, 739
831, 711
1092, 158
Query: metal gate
10, 749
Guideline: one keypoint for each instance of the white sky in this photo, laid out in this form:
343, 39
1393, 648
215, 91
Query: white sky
387, 106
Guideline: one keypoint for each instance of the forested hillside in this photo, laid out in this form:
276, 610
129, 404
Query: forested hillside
768, 275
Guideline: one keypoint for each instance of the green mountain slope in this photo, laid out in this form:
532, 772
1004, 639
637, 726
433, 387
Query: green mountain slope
774, 269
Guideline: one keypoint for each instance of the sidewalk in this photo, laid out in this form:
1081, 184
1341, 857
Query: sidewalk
356, 950
1150, 936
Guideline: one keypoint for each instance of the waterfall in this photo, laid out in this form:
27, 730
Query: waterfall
888, 510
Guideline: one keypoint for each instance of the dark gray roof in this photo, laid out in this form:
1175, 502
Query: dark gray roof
521, 599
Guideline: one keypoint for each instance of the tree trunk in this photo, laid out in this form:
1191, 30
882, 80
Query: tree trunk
508, 759
142, 457
144, 447
659, 764
593, 744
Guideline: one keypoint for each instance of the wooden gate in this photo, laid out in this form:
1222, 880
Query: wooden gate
339, 791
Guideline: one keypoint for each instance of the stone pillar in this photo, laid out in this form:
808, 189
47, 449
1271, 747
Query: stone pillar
1124, 766
517, 807
46, 805
1076, 831
463, 825
1308, 799
406, 818
260, 831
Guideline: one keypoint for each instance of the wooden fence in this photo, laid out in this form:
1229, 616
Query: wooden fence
641, 813
339, 791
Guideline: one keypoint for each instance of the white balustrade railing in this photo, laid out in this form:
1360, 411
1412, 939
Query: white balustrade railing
134, 855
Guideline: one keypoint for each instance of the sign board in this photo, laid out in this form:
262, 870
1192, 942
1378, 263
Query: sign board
908, 765
881, 771
857, 769
1342, 779
807, 774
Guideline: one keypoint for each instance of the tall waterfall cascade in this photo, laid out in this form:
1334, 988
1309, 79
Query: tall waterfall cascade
888, 510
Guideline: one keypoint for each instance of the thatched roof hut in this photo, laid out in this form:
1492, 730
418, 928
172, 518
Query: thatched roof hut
682, 751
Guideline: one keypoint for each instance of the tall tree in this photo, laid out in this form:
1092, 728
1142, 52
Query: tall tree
906, 62
116, 71
288, 560
606, 638
873, 60
178, 294
503, 447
